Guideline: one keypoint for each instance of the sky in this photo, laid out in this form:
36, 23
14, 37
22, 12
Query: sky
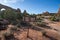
33, 6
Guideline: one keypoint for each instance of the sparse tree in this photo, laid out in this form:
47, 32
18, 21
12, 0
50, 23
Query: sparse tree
18, 10
25, 13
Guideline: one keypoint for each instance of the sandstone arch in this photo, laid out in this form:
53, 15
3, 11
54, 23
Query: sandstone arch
6, 7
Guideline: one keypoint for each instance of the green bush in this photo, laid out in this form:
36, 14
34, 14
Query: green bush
11, 15
54, 18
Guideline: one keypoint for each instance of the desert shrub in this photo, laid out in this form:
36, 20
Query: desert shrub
8, 36
43, 24
42, 17
18, 25
39, 20
3, 27
13, 29
54, 18
7, 33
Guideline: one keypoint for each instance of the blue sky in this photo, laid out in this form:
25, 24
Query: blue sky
33, 6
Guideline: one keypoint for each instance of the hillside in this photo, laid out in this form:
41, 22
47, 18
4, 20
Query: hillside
17, 25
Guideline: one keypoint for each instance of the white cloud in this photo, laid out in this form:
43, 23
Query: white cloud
8, 2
